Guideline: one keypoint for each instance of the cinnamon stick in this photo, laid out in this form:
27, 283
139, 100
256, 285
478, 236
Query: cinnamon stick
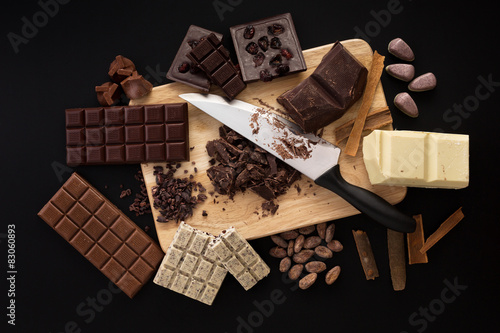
443, 229
378, 118
397, 264
415, 242
371, 84
365, 254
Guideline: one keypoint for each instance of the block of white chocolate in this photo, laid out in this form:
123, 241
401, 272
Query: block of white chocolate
190, 267
239, 258
417, 159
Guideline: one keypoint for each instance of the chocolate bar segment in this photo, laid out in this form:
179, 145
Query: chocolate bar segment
213, 58
190, 267
273, 48
103, 234
127, 135
325, 96
182, 69
239, 258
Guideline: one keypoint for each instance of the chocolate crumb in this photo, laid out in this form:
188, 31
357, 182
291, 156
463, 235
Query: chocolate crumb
141, 202
147, 228
204, 213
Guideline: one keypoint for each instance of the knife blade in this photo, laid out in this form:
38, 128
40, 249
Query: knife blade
313, 156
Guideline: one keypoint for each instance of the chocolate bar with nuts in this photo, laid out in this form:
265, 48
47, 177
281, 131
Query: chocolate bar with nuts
239, 258
103, 234
190, 267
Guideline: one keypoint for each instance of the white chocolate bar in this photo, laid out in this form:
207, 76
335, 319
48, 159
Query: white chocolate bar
418, 159
239, 258
190, 267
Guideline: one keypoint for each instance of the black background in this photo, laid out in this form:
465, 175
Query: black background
58, 68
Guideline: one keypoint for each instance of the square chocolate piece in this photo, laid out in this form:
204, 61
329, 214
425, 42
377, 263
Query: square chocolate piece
182, 69
268, 48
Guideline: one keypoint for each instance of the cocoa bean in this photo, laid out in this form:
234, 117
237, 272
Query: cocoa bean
289, 250
321, 229
311, 242
329, 232
315, 266
307, 230
279, 241
288, 235
277, 252
307, 281
332, 275
295, 271
335, 245
299, 243
323, 252
285, 264
302, 256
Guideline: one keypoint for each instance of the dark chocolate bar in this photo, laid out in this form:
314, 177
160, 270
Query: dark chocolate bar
182, 69
336, 84
103, 234
213, 58
268, 48
127, 134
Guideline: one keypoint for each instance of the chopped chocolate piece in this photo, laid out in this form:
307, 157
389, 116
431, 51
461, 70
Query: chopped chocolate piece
121, 68
275, 32
242, 165
141, 202
326, 95
194, 77
135, 86
108, 93
213, 58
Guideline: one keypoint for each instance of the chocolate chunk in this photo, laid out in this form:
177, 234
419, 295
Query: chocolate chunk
275, 32
406, 104
108, 93
213, 58
400, 49
121, 68
135, 86
325, 96
424, 82
194, 77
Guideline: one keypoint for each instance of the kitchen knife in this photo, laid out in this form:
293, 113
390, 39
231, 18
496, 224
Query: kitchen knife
311, 155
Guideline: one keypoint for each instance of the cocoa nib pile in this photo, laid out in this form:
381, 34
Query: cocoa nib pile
243, 165
141, 202
173, 196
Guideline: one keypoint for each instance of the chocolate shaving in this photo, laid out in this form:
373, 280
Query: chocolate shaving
397, 264
443, 229
415, 242
365, 254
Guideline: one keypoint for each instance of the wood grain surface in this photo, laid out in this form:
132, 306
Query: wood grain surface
311, 205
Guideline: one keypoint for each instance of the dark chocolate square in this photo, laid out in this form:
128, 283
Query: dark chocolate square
115, 154
175, 132
75, 118
94, 136
176, 112
154, 114
155, 152
134, 134
113, 116
94, 117
155, 133
96, 155
134, 115
115, 135
75, 137
135, 153
289, 42
177, 151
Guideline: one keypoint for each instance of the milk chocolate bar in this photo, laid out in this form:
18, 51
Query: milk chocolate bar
127, 134
190, 267
336, 84
103, 234
239, 258
268, 48
213, 58
182, 69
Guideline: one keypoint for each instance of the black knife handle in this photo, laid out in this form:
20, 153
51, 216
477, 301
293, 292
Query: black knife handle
366, 202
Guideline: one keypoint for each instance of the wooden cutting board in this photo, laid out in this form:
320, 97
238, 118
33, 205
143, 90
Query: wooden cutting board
311, 205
